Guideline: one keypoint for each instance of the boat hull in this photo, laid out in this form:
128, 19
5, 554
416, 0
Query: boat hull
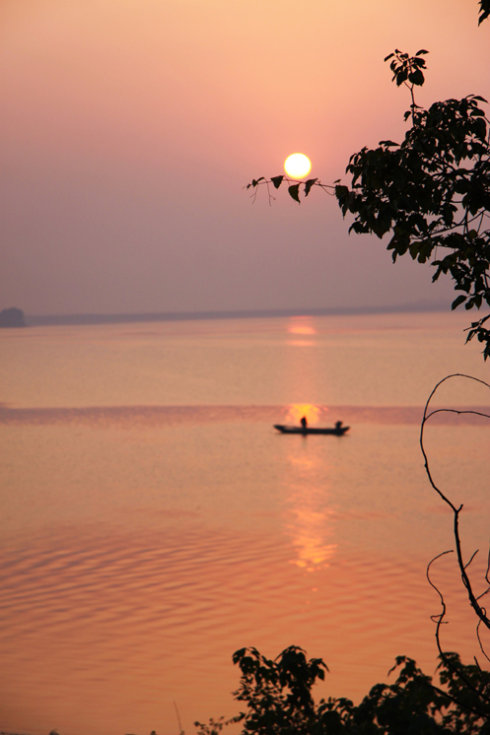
311, 430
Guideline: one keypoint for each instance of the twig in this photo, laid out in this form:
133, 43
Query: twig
480, 611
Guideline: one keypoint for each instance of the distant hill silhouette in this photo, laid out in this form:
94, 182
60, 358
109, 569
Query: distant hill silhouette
12, 317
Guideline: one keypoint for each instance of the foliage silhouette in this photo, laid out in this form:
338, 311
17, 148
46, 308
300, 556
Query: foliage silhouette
484, 10
279, 701
430, 193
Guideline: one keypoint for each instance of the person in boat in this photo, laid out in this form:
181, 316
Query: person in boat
338, 425
304, 423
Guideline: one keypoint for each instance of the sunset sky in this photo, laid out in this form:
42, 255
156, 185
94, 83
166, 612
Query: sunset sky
129, 129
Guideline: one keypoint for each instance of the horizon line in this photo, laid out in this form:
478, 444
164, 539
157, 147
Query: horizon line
122, 317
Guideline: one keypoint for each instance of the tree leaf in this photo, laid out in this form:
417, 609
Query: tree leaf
277, 180
255, 182
293, 191
416, 77
457, 301
484, 10
308, 185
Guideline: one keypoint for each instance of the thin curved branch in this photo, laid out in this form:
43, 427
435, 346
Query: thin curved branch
458, 411
480, 642
456, 510
295, 187
439, 621
427, 414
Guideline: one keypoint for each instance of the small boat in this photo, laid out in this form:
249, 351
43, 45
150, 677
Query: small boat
334, 430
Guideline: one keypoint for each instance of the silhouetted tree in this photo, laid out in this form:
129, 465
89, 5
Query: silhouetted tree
278, 700
12, 317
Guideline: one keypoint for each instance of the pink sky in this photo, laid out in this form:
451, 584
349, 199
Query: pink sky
130, 127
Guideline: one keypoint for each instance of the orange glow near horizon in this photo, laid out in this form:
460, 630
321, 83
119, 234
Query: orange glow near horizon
297, 410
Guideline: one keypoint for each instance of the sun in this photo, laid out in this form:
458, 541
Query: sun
297, 165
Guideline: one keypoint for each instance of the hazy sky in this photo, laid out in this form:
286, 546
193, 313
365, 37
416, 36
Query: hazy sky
130, 127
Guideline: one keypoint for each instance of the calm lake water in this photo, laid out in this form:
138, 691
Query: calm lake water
154, 521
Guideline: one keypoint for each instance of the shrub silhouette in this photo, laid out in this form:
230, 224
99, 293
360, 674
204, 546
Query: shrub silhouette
278, 699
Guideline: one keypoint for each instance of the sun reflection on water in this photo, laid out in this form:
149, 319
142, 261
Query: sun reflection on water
311, 528
301, 327
309, 517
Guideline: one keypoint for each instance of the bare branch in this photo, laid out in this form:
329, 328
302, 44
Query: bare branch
474, 599
438, 619
480, 643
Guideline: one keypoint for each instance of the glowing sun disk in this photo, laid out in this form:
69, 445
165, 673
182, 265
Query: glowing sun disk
297, 165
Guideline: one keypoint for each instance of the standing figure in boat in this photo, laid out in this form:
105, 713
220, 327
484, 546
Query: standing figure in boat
304, 423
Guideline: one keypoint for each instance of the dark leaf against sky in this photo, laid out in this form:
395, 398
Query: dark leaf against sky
484, 10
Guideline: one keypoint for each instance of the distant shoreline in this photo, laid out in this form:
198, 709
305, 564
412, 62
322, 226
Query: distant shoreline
44, 320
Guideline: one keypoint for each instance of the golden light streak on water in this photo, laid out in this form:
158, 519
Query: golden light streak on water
309, 518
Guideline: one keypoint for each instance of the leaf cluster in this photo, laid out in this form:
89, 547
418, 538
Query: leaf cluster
295, 188
278, 699
278, 692
406, 68
431, 194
